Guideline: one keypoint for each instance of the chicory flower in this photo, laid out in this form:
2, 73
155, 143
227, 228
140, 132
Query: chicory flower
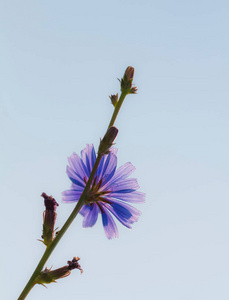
110, 191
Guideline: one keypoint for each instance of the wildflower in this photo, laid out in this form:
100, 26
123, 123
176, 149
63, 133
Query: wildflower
109, 192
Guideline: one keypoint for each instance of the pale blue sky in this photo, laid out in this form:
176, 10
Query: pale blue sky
59, 63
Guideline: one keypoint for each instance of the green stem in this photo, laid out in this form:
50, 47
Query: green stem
52, 246
117, 108
80, 203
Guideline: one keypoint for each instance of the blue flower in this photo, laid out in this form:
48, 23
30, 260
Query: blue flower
109, 192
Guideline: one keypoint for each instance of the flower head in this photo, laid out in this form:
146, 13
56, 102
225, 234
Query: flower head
109, 193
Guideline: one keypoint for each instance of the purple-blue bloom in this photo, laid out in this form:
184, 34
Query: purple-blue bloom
110, 190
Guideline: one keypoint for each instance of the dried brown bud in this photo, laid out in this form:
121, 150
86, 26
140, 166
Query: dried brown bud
133, 90
74, 264
114, 99
49, 219
48, 275
50, 202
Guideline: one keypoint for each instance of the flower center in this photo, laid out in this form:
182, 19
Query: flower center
94, 194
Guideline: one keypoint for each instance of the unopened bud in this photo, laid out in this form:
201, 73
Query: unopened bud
108, 140
126, 81
48, 276
49, 219
129, 73
114, 99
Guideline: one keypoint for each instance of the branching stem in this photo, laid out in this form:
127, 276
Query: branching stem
80, 203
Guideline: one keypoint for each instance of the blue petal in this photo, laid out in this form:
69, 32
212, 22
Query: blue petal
122, 173
113, 150
111, 165
88, 157
85, 210
107, 167
107, 178
93, 157
91, 217
109, 225
71, 196
75, 178
124, 186
104, 164
133, 197
125, 211
100, 167
77, 187
117, 215
77, 164
124, 191
85, 168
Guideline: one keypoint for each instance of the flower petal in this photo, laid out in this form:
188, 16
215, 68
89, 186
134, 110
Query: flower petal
109, 168
109, 225
88, 157
75, 177
133, 197
113, 150
124, 186
91, 217
117, 215
125, 211
78, 166
122, 172
71, 196
84, 210
77, 187
100, 167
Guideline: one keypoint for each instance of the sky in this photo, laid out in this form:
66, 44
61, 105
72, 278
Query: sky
60, 61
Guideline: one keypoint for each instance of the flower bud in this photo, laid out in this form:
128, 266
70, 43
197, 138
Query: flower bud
48, 276
129, 73
114, 99
49, 219
108, 140
126, 81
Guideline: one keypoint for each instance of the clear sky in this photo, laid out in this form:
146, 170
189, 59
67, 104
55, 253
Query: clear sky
59, 63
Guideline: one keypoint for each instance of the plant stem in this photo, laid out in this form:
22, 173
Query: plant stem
52, 246
80, 203
117, 108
